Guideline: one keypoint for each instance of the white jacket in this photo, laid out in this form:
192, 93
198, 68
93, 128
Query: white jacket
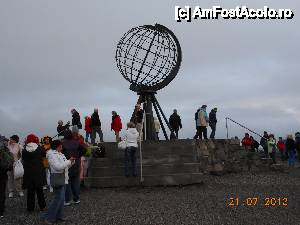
131, 137
58, 163
156, 125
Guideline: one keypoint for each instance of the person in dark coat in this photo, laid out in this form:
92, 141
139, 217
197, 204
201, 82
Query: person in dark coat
3, 175
96, 126
34, 173
291, 149
61, 128
264, 143
255, 145
73, 149
175, 122
76, 119
213, 122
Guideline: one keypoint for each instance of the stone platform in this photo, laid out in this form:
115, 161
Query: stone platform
179, 162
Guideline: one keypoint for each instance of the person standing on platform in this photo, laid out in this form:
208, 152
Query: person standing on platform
76, 119
197, 124
131, 138
61, 128
213, 122
96, 126
202, 122
175, 122
138, 118
88, 129
116, 124
157, 127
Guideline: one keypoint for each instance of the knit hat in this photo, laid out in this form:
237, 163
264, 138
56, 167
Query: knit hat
55, 144
15, 138
32, 138
3, 139
75, 129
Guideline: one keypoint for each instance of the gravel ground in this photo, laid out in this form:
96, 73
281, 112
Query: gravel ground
195, 204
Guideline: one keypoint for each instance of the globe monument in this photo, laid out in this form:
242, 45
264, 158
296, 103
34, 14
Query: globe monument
149, 57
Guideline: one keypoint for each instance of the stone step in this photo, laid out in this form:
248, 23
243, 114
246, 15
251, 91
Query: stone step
149, 180
155, 169
99, 162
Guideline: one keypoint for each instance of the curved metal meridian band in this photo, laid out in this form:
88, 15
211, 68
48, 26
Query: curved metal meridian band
149, 82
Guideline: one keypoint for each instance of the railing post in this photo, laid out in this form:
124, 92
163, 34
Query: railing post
227, 128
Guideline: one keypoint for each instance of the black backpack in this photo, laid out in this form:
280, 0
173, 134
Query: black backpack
99, 152
6, 160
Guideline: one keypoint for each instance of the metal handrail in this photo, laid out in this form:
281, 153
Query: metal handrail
241, 125
141, 155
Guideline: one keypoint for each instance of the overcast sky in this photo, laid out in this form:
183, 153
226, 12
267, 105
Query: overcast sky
56, 55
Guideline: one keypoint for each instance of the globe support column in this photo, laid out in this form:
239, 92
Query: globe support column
150, 129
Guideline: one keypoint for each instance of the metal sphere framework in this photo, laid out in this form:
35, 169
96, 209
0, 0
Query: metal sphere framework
149, 57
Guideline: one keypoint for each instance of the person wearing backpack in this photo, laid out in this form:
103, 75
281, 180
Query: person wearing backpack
6, 165
13, 183
264, 143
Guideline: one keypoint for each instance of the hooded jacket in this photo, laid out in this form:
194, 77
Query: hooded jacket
15, 149
34, 172
131, 137
58, 163
202, 118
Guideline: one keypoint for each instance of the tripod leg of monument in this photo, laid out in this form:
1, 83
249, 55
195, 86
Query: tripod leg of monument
138, 102
160, 120
150, 131
162, 113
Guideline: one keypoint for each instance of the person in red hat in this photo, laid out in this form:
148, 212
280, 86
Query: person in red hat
34, 173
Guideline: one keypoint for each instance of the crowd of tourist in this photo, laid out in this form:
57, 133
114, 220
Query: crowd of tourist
287, 148
59, 163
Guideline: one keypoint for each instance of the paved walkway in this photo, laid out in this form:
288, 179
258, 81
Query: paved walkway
201, 204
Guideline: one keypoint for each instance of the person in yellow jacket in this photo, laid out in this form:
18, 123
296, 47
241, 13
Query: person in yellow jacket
46, 145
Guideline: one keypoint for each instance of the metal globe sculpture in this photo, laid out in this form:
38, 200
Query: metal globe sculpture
149, 57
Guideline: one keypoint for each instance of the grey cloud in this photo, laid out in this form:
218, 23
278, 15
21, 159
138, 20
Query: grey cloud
57, 55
